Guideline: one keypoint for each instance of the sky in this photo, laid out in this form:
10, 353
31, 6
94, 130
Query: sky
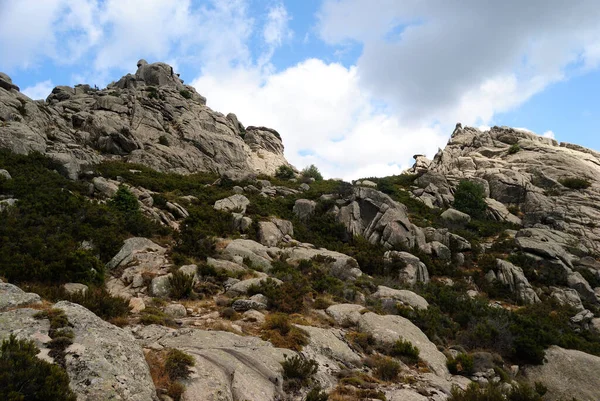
356, 87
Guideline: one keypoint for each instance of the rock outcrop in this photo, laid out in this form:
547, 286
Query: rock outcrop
104, 362
568, 374
150, 117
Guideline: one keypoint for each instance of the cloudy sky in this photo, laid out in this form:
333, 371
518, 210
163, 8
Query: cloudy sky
356, 87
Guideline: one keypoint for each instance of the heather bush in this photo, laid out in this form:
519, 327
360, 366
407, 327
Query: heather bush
24, 376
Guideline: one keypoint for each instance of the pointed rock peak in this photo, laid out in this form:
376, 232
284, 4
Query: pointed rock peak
155, 74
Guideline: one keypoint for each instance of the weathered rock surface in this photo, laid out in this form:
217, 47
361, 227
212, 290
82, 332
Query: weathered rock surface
388, 329
12, 296
149, 117
414, 272
379, 219
103, 363
228, 367
404, 297
568, 374
513, 276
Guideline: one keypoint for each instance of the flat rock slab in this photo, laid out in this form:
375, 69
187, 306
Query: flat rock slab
228, 367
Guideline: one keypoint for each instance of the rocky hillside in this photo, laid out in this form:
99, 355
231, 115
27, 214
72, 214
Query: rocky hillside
150, 118
474, 276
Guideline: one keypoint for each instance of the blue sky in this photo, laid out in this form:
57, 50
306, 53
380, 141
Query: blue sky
353, 88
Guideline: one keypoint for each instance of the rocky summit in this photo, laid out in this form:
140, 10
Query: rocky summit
149, 117
153, 249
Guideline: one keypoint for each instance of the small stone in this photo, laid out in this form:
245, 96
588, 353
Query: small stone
176, 310
136, 305
72, 288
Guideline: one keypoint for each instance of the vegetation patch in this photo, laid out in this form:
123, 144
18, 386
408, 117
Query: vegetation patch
298, 372
278, 329
575, 183
24, 376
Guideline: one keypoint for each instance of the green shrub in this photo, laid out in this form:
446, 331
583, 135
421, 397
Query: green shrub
315, 394
363, 342
312, 171
124, 201
462, 364
298, 372
163, 140
178, 364
469, 198
24, 376
103, 304
281, 333
175, 391
153, 315
493, 392
284, 172
185, 93
181, 285
514, 148
406, 351
386, 369
575, 183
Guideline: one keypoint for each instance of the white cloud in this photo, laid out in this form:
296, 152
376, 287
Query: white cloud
443, 61
41, 90
549, 134
276, 29
320, 107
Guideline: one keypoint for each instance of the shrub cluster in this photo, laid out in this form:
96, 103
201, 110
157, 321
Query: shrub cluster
24, 376
41, 237
178, 364
493, 392
469, 198
575, 183
279, 330
312, 171
298, 372
284, 172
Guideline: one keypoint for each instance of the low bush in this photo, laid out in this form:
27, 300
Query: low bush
316, 394
181, 285
153, 315
493, 392
462, 364
406, 351
575, 183
514, 148
469, 198
178, 364
312, 172
279, 330
103, 304
163, 140
24, 376
284, 172
185, 93
298, 372
386, 368
362, 342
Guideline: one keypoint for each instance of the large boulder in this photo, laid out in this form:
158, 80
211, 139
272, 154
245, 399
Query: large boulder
568, 374
513, 276
403, 297
379, 219
414, 271
234, 203
304, 208
386, 330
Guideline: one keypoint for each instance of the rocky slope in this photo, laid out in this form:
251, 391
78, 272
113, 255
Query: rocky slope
150, 118
244, 276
